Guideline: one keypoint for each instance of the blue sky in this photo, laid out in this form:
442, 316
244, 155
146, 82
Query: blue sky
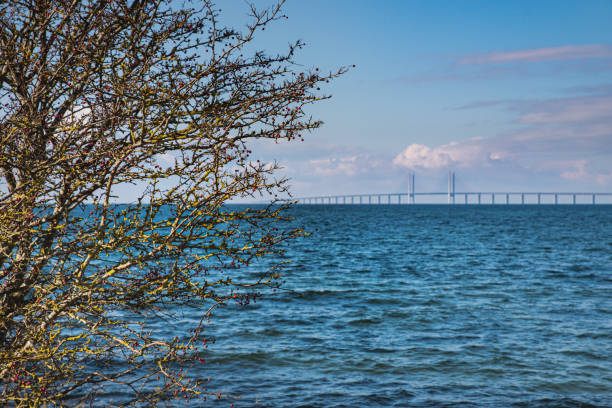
512, 96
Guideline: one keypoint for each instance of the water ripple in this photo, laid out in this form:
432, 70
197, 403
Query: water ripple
430, 306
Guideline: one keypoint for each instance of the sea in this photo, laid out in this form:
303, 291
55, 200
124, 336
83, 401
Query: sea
426, 306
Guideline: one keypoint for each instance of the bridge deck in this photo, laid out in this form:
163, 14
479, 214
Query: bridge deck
464, 197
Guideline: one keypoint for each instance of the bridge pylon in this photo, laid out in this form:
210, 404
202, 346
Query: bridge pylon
451, 187
411, 188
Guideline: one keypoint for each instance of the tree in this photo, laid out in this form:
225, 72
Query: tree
102, 94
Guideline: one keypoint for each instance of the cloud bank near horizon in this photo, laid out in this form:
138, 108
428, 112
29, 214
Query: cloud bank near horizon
562, 143
571, 137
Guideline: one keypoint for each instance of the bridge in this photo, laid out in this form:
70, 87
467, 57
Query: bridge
461, 197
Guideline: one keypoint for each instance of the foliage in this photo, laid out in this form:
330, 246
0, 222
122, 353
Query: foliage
97, 95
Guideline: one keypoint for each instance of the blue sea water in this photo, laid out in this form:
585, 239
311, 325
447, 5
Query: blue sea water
428, 306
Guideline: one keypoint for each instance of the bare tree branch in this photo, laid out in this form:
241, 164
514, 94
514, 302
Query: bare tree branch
93, 94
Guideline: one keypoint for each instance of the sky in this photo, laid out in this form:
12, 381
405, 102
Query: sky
512, 96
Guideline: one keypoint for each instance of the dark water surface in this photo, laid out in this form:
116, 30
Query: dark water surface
429, 306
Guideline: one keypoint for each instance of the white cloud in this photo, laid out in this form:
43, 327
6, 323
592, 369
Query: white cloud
582, 170
347, 166
466, 153
575, 170
604, 178
77, 113
166, 158
417, 155
570, 110
568, 52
